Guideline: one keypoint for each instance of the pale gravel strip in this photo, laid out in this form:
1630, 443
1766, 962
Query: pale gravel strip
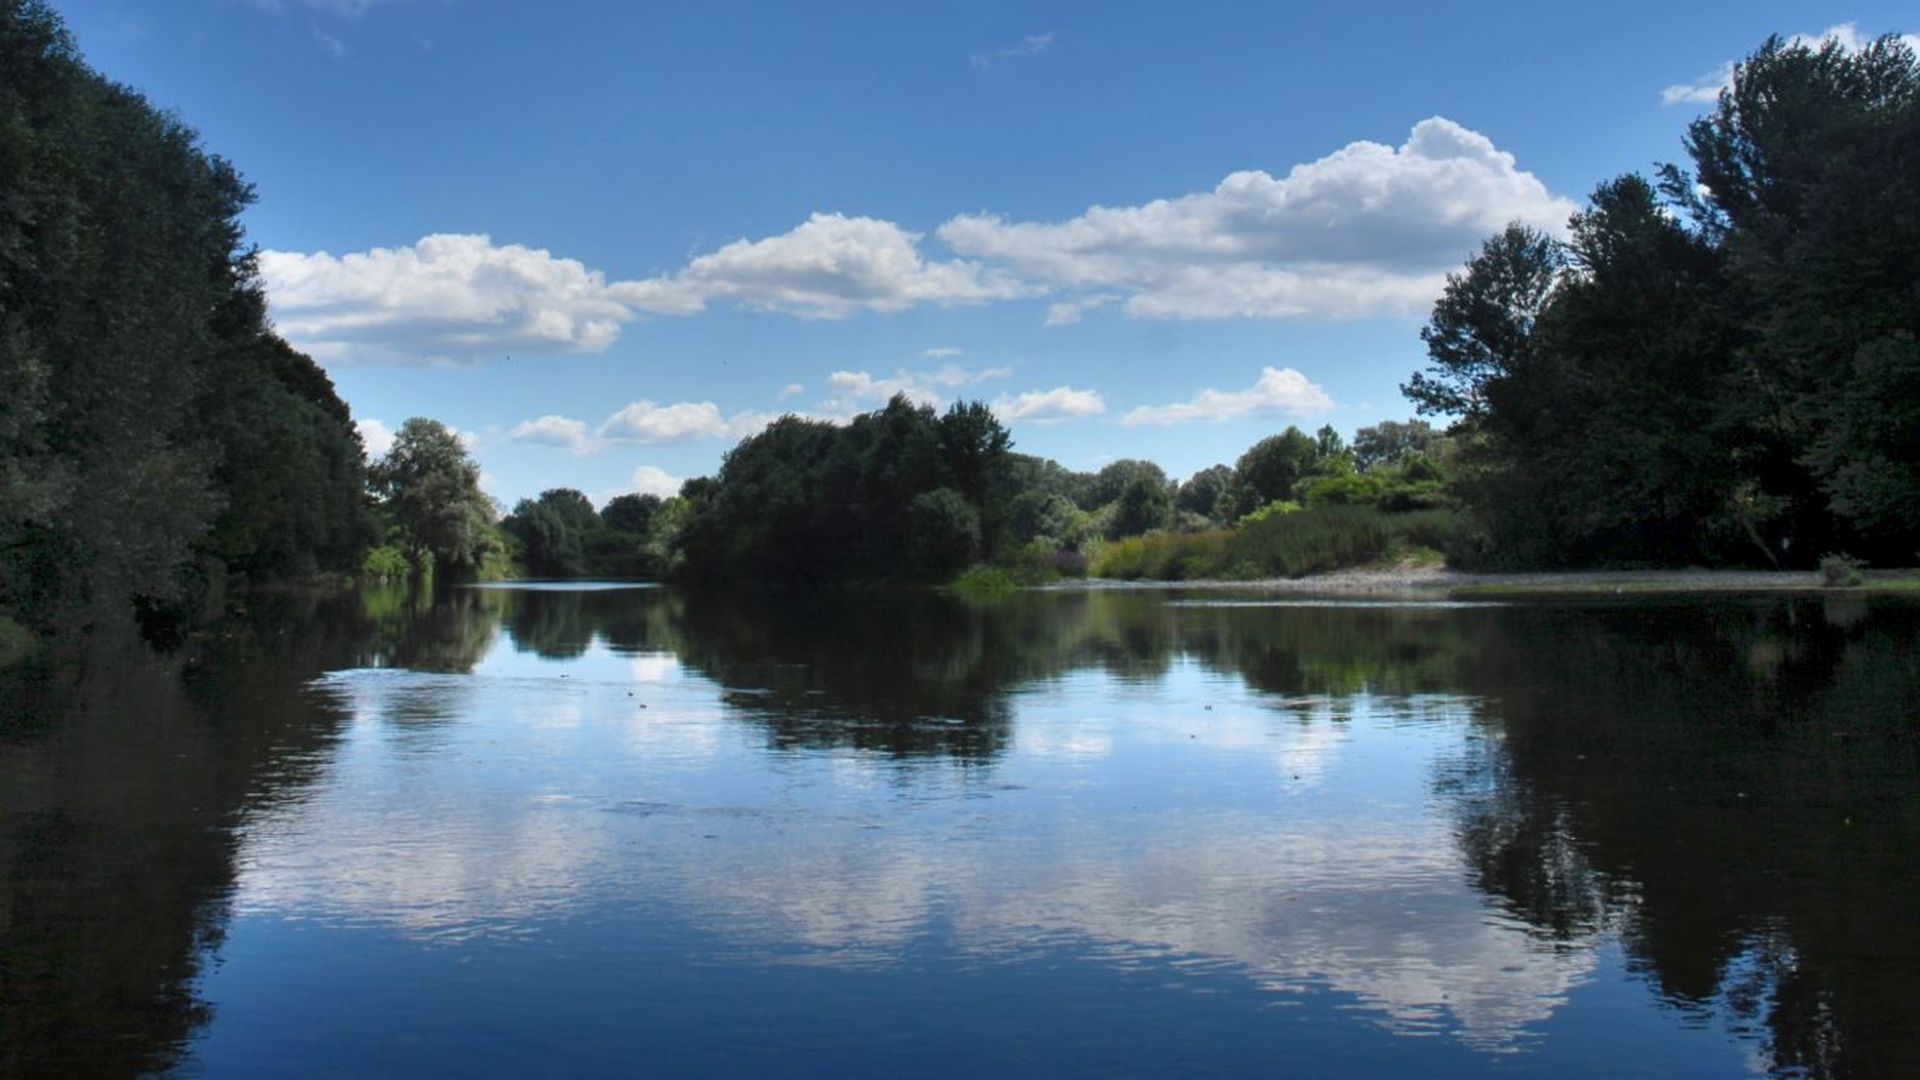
1434, 581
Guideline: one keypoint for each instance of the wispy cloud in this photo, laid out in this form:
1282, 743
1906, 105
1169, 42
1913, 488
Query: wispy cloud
1031, 45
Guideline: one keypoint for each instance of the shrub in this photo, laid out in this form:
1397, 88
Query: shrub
386, 563
1281, 544
1840, 571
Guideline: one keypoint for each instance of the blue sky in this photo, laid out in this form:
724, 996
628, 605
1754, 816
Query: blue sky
606, 240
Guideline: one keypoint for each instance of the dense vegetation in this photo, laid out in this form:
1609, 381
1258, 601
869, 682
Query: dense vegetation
155, 437
1720, 364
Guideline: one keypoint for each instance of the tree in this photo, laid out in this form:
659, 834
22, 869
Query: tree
946, 533
1113, 480
1144, 505
155, 437
1271, 468
1387, 442
1204, 491
432, 493
1482, 326
556, 532
630, 513
1811, 167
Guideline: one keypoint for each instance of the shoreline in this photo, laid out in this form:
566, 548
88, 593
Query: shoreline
1439, 582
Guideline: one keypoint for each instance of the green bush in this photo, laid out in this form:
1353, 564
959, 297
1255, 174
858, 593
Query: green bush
1838, 571
1280, 544
386, 563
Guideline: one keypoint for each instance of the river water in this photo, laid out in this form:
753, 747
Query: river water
598, 831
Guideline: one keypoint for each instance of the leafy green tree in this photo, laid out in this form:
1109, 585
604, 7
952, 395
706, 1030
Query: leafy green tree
1811, 168
1036, 515
556, 532
630, 513
946, 533
1114, 479
1204, 493
1144, 504
1271, 468
431, 489
1387, 442
1481, 332
155, 437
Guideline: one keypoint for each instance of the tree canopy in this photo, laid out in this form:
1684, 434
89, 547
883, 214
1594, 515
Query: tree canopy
155, 436
1716, 365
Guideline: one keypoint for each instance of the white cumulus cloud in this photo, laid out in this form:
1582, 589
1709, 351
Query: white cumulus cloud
647, 423
829, 267
561, 431
1278, 392
1367, 230
375, 436
850, 392
653, 480
1053, 406
449, 298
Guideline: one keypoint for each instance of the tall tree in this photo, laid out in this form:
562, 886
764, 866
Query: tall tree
432, 492
155, 437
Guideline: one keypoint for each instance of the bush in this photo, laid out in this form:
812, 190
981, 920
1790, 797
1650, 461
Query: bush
1272, 509
386, 563
1281, 544
944, 532
1839, 571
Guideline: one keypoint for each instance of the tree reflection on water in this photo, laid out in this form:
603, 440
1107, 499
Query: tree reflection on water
1727, 787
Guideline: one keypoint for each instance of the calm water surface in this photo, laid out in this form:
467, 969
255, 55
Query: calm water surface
605, 831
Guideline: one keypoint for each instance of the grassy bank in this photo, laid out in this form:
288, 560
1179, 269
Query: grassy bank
1285, 545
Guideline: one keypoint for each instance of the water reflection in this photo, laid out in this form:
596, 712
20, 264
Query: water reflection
1478, 822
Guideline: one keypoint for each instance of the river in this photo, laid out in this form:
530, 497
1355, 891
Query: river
587, 831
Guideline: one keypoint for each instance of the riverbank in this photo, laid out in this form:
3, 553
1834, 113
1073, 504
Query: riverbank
1431, 581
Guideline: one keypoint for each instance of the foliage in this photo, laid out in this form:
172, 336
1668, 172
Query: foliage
630, 513
386, 563
155, 437
1718, 366
1207, 493
1280, 545
1143, 504
1277, 506
1841, 571
432, 494
806, 500
945, 531
1390, 442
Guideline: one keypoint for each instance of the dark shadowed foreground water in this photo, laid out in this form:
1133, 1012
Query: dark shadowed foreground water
628, 831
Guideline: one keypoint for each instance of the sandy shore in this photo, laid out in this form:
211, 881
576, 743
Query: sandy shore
1438, 581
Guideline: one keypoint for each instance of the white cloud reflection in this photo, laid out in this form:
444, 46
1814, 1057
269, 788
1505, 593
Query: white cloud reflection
840, 857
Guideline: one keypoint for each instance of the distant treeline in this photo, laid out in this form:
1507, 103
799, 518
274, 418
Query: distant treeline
1720, 364
906, 493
